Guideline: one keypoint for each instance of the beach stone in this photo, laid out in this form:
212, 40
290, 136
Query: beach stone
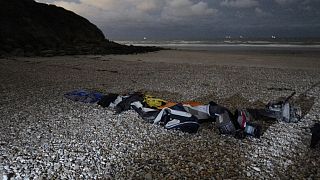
104, 144
256, 169
57, 166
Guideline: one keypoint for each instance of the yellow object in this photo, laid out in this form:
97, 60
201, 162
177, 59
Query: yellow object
154, 102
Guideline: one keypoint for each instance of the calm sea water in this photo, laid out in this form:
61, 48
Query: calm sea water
230, 45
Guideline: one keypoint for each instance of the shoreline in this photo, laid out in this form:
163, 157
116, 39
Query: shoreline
273, 58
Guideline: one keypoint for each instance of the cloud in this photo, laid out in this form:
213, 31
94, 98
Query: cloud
168, 18
283, 2
149, 6
239, 3
138, 13
178, 9
261, 12
202, 8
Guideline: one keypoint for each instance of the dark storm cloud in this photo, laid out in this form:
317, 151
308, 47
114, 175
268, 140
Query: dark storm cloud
192, 19
240, 3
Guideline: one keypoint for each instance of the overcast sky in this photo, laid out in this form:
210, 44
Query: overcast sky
198, 19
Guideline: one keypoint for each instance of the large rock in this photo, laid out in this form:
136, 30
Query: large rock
29, 28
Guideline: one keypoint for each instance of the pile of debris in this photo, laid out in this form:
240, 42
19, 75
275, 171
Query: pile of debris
187, 116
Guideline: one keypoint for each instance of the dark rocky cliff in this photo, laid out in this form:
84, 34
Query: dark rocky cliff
28, 28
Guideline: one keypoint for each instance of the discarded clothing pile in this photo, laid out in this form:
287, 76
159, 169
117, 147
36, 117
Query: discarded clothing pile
187, 116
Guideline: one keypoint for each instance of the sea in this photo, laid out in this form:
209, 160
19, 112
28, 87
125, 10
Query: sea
233, 44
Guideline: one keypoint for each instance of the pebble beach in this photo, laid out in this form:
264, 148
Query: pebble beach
43, 135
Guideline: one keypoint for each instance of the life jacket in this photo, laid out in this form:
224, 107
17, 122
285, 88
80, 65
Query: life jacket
125, 104
197, 109
120, 103
177, 118
147, 114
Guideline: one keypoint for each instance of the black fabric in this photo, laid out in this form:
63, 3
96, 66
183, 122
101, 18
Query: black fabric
108, 99
187, 124
229, 124
315, 135
184, 123
240, 134
178, 107
276, 104
125, 104
165, 118
214, 108
187, 127
262, 113
225, 124
147, 116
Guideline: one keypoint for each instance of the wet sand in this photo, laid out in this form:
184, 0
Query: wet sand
272, 59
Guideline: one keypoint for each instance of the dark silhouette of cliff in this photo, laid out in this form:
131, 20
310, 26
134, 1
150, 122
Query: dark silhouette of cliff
28, 28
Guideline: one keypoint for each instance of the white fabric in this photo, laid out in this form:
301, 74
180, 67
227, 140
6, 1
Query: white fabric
174, 112
286, 112
158, 118
139, 105
202, 111
116, 102
180, 113
175, 123
172, 123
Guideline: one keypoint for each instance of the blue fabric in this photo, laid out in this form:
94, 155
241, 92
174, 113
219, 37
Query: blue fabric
84, 96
